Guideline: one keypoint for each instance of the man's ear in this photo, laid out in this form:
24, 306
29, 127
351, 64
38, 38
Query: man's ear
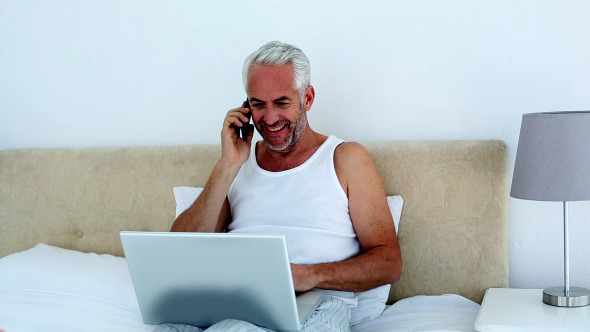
309, 97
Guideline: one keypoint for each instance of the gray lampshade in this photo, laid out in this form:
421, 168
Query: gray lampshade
553, 157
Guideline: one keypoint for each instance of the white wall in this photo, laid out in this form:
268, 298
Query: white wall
113, 73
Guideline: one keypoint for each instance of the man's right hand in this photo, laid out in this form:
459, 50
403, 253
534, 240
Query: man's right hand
211, 212
235, 151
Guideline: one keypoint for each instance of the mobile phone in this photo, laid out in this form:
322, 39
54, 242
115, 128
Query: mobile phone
246, 127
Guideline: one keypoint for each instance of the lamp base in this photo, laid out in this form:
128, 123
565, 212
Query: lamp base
555, 296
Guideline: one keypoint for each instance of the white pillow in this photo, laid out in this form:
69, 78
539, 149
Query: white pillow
55, 270
186, 196
396, 203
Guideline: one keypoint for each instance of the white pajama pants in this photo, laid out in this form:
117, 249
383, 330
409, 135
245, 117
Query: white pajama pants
331, 315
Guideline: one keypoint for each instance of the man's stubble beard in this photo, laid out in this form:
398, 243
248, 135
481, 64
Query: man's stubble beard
294, 136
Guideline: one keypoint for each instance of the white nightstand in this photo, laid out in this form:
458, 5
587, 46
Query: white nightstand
506, 309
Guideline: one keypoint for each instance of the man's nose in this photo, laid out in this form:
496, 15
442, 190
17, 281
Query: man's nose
270, 115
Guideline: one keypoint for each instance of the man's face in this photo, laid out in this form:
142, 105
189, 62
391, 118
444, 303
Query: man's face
277, 112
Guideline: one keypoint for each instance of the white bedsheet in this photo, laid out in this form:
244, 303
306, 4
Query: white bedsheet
41, 311
48, 311
48, 288
425, 313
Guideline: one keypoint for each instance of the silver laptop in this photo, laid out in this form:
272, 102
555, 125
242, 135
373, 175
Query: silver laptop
202, 278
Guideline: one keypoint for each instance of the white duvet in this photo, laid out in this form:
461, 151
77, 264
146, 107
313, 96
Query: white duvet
48, 288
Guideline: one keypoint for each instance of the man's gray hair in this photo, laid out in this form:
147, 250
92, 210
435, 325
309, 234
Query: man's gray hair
277, 53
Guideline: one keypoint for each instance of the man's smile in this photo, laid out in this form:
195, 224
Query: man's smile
275, 128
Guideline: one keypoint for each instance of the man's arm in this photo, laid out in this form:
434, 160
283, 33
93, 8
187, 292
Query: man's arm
211, 212
380, 261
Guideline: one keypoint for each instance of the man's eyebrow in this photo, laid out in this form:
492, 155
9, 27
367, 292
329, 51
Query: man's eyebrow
283, 98
280, 99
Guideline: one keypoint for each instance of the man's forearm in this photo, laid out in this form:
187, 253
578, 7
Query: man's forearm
208, 213
376, 267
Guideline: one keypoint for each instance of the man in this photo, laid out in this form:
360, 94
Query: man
324, 194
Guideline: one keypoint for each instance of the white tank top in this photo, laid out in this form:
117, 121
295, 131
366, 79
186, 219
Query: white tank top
307, 204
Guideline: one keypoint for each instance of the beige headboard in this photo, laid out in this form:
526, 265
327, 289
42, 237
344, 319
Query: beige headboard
453, 231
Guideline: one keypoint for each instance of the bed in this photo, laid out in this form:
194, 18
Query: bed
61, 211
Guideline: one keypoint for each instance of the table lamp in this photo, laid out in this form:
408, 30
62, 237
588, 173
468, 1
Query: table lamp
553, 164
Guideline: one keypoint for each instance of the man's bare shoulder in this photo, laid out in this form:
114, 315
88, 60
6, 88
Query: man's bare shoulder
351, 153
354, 166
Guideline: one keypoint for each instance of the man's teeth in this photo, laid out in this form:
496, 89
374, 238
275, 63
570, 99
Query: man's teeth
273, 129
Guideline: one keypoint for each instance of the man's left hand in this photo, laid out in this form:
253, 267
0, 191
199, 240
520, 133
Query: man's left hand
303, 277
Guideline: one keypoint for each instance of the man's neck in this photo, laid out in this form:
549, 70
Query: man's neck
276, 161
